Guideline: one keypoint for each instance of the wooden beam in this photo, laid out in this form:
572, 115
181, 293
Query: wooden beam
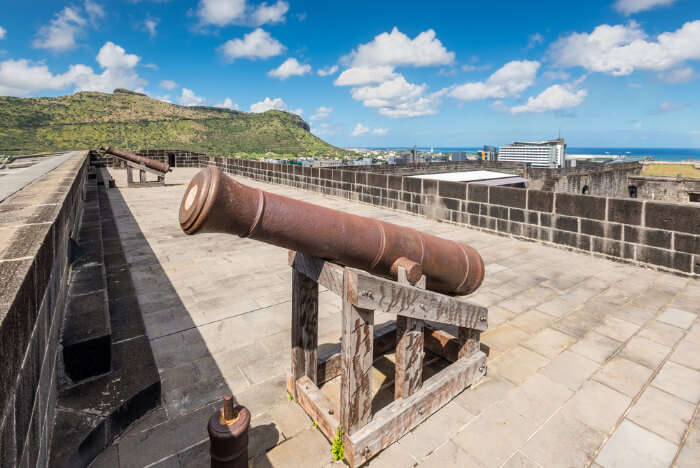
469, 342
408, 373
328, 275
372, 292
304, 327
318, 407
357, 356
393, 421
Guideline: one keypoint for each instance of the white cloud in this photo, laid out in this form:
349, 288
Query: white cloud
667, 106
679, 75
164, 98
23, 77
359, 130
227, 104
256, 44
168, 84
620, 50
150, 26
380, 131
534, 40
511, 79
556, 97
188, 98
152, 66
94, 11
363, 75
290, 67
398, 98
268, 104
3, 32
321, 113
327, 70
270, 13
60, 34
396, 49
629, 7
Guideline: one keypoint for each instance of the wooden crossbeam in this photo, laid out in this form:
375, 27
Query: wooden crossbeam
304, 327
317, 406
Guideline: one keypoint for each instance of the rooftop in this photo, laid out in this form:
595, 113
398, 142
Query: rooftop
590, 361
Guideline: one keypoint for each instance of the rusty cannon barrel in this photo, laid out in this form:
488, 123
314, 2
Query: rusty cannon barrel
135, 158
214, 202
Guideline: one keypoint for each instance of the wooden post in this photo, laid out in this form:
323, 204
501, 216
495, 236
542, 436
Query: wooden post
357, 356
469, 342
304, 328
142, 176
408, 371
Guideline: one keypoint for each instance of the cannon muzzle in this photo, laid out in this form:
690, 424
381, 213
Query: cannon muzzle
135, 158
214, 202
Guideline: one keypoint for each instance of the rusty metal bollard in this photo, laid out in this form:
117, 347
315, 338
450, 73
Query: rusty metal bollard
228, 433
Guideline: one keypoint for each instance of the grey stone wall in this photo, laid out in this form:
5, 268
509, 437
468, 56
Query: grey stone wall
658, 235
665, 188
181, 158
609, 180
34, 262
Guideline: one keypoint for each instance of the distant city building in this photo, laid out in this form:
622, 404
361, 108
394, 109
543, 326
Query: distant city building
407, 157
549, 153
489, 153
328, 163
459, 156
361, 162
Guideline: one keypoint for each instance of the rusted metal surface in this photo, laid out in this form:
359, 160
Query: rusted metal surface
228, 434
413, 269
148, 162
216, 203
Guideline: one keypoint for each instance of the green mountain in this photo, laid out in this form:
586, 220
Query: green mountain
132, 121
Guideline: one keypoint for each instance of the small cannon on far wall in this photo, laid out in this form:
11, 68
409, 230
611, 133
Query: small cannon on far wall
142, 164
372, 266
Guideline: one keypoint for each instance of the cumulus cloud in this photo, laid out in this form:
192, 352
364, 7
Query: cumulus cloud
3, 32
511, 79
623, 49
629, 7
61, 33
24, 77
270, 104
679, 75
168, 84
321, 113
359, 130
325, 71
227, 104
256, 44
150, 25
363, 75
224, 12
398, 98
554, 98
189, 98
397, 49
290, 67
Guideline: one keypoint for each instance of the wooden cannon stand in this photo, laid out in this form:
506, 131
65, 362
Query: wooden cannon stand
132, 167
365, 435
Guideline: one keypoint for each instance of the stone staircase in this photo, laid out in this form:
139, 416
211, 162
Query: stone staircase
108, 376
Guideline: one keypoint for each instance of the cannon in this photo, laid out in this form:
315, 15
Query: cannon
214, 202
142, 164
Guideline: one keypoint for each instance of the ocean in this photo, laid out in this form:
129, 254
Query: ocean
657, 154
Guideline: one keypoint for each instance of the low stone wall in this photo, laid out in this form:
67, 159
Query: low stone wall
605, 180
36, 225
667, 188
514, 168
660, 235
176, 158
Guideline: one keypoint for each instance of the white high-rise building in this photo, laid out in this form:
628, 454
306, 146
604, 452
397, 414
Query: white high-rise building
549, 153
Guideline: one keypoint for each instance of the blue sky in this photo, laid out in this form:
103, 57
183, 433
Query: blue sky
601, 72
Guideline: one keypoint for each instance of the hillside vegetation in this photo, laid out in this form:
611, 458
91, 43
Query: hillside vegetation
133, 121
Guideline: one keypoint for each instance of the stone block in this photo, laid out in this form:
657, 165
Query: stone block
662, 413
507, 196
395, 182
592, 228
413, 185
666, 258
582, 206
686, 243
570, 369
377, 180
597, 406
624, 376
645, 352
537, 399
677, 318
456, 190
566, 223
540, 201
518, 364
596, 347
688, 354
430, 187
625, 211
632, 446
672, 217
517, 215
661, 333
549, 342
478, 193
609, 247
680, 381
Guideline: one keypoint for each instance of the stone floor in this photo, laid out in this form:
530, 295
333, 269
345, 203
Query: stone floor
592, 363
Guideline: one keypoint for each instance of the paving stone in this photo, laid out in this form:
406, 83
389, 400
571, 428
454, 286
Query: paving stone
309, 448
634, 314
532, 321
678, 318
490, 390
570, 369
549, 342
688, 354
502, 339
597, 406
495, 435
518, 364
661, 333
436, 430
689, 456
518, 460
556, 307
694, 334
450, 455
663, 413
632, 446
624, 376
563, 442
538, 398
596, 347
620, 330
645, 352
680, 381
394, 456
